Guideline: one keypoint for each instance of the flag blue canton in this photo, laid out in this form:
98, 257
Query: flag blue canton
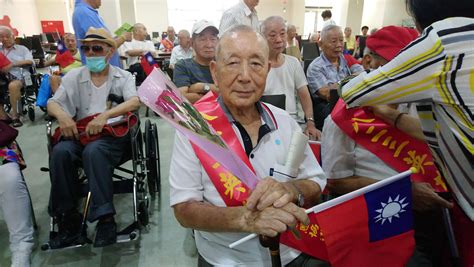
390, 210
61, 47
150, 59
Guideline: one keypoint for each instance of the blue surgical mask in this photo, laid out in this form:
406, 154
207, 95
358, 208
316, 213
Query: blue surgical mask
96, 64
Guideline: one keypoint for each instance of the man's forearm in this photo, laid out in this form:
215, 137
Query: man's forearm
21, 63
349, 184
135, 52
310, 190
205, 217
129, 105
55, 110
306, 103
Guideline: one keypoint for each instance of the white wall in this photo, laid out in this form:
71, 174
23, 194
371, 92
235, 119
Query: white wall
110, 13
373, 14
354, 17
152, 13
395, 12
23, 15
127, 11
54, 10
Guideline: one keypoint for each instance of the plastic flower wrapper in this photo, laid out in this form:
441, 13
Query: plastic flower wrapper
162, 96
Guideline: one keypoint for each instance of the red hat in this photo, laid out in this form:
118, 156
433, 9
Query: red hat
388, 41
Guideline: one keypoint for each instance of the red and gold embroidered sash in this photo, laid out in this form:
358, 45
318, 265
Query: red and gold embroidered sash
234, 192
167, 44
397, 149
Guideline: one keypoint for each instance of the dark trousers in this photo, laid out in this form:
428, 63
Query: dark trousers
321, 109
98, 160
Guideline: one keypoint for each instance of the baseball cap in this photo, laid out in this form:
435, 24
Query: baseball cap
201, 25
389, 41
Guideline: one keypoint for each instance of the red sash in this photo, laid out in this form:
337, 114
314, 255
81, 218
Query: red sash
234, 192
396, 148
167, 44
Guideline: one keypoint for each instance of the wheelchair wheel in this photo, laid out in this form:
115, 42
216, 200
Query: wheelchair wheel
31, 113
152, 159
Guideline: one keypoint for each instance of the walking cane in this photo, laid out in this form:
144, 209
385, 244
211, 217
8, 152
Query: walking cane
273, 245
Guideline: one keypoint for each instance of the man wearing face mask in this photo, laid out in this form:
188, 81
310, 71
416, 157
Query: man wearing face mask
84, 92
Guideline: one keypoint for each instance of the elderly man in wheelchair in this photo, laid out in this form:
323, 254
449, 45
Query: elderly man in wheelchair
85, 92
21, 58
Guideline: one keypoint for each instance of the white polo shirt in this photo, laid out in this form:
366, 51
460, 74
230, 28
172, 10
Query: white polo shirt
146, 45
190, 182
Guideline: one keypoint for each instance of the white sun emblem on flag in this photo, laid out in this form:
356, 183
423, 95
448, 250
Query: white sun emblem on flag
390, 209
150, 59
60, 47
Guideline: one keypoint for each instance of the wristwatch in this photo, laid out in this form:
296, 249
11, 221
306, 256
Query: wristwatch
299, 196
206, 87
306, 119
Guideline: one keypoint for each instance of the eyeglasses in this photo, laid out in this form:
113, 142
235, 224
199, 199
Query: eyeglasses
94, 48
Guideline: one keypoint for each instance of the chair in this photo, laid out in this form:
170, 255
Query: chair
276, 100
310, 52
143, 181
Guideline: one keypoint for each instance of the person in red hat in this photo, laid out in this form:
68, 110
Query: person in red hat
351, 162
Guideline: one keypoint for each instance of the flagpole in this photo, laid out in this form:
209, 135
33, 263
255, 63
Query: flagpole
341, 199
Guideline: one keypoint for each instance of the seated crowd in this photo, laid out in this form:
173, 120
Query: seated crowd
412, 84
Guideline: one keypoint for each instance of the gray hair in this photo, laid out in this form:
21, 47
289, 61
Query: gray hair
367, 51
242, 29
270, 20
6, 29
327, 29
185, 32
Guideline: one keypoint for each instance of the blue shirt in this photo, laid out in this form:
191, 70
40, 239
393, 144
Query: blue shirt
83, 18
321, 72
187, 72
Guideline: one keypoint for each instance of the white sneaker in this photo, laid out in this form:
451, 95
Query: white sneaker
189, 244
21, 259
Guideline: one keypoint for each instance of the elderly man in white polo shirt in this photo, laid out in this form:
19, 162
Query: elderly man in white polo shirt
138, 46
264, 132
183, 50
20, 56
242, 13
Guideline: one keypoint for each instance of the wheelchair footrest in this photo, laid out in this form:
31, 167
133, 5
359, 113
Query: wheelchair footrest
129, 233
81, 241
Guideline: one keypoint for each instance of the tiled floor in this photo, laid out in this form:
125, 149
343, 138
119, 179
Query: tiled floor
159, 245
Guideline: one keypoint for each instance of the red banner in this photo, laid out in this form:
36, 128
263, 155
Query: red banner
396, 148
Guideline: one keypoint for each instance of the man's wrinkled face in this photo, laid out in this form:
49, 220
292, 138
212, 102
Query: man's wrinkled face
251, 3
204, 44
241, 69
70, 41
291, 32
184, 40
333, 43
171, 33
347, 31
275, 33
6, 38
140, 33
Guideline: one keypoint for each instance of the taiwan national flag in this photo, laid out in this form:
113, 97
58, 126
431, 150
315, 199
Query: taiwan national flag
372, 226
148, 63
63, 56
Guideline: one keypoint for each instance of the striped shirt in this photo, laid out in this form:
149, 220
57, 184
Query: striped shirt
239, 14
436, 71
188, 72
